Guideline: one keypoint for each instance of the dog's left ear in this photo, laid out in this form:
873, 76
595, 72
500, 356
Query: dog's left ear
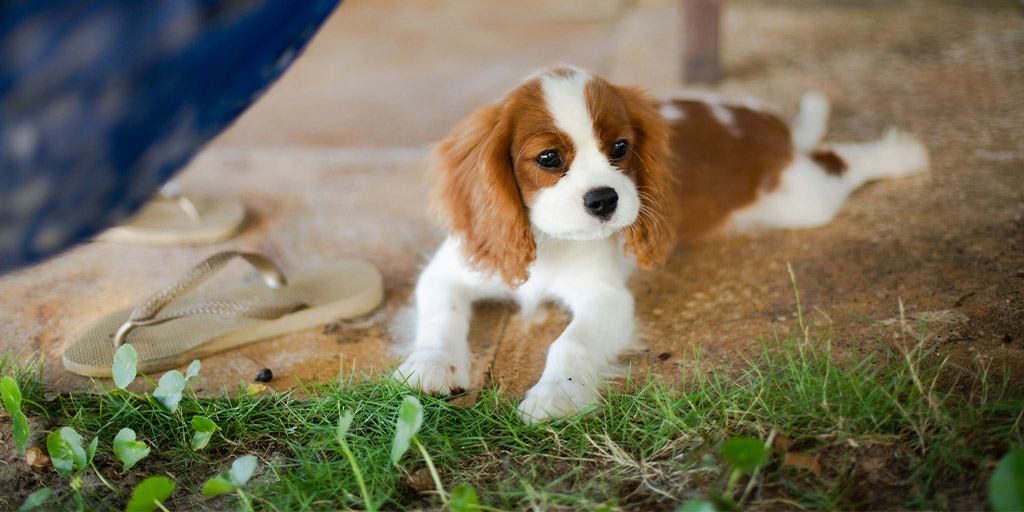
652, 235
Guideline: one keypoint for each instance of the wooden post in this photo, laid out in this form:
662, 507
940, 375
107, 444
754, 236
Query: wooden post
700, 41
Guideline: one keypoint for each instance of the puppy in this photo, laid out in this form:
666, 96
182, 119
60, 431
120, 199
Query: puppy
557, 191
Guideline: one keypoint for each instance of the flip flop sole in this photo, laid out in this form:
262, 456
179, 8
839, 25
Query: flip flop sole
342, 289
165, 223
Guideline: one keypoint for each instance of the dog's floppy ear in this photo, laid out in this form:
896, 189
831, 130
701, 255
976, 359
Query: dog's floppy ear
477, 195
652, 235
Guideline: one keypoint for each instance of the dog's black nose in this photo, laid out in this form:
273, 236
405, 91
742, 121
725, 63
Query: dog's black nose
601, 202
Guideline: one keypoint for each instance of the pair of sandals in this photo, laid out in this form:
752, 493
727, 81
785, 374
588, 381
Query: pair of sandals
173, 327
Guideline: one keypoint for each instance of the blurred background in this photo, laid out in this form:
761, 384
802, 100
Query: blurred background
402, 72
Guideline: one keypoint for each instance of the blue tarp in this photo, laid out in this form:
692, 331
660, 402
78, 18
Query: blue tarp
101, 102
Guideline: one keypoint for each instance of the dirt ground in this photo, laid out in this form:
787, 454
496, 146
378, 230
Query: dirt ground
328, 164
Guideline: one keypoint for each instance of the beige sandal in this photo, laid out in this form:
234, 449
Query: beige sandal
180, 220
169, 330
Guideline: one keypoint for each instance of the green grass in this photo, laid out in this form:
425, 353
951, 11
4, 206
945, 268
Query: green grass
885, 435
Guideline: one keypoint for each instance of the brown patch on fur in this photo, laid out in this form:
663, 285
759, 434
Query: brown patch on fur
830, 162
477, 194
534, 132
627, 113
719, 172
487, 174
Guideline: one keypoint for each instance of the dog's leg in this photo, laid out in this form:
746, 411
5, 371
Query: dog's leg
815, 185
440, 359
584, 354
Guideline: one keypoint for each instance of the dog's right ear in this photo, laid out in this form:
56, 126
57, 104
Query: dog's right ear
477, 196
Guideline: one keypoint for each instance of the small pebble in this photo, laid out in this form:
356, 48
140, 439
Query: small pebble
265, 375
664, 355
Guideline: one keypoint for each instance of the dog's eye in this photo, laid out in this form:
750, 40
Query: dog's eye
550, 159
619, 150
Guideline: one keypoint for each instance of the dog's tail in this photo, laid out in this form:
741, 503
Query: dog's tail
810, 123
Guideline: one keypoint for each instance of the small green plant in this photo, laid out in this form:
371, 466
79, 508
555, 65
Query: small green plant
172, 384
193, 369
743, 454
11, 394
70, 459
168, 392
124, 367
150, 494
36, 498
65, 446
410, 419
463, 499
696, 506
127, 449
1006, 487
204, 428
232, 480
66, 451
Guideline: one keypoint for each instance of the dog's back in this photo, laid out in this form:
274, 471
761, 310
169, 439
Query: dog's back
740, 167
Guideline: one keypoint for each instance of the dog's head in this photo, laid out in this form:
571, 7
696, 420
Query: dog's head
565, 155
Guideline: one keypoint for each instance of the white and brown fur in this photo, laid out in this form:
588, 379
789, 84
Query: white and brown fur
521, 231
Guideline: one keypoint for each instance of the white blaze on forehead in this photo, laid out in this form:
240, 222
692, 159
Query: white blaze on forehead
566, 101
559, 210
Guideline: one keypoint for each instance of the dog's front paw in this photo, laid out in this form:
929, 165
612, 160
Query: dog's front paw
557, 399
435, 373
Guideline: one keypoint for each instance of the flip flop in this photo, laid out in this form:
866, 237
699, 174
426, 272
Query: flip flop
169, 330
181, 220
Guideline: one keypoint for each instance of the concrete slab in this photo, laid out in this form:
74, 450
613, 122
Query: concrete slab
949, 244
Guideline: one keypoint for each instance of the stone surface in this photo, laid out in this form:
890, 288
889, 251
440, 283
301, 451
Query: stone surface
328, 163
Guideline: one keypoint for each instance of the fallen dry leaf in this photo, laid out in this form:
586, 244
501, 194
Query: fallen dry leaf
36, 459
421, 481
781, 443
255, 388
803, 460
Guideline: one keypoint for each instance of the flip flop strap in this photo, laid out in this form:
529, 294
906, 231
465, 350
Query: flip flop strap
172, 193
147, 313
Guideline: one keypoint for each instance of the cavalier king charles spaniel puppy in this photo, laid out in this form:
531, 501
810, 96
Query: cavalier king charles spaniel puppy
558, 190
